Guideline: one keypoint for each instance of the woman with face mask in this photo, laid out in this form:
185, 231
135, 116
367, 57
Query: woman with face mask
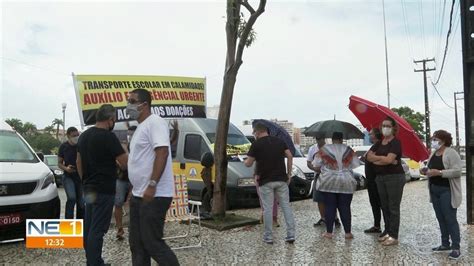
390, 179
444, 183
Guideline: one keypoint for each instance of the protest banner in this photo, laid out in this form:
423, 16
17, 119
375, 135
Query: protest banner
172, 97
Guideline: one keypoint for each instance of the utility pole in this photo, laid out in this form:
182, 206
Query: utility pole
386, 54
427, 107
456, 117
467, 29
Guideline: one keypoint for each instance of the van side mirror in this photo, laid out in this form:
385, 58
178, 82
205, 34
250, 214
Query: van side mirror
41, 156
207, 160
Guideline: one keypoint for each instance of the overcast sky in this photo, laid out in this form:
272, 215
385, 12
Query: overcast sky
309, 56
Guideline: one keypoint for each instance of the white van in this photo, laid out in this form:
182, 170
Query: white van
27, 187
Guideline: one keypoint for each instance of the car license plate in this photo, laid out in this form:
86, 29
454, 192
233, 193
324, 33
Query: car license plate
12, 218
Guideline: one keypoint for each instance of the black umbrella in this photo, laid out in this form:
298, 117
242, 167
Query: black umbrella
326, 128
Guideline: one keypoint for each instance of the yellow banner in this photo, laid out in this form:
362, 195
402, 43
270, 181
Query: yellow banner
171, 96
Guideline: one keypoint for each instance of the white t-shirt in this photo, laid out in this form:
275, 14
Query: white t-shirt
153, 132
311, 152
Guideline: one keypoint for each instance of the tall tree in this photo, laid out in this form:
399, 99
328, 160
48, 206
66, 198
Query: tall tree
48, 129
241, 31
16, 124
30, 129
415, 119
57, 122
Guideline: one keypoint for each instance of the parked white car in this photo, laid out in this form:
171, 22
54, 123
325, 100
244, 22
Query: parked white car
27, 186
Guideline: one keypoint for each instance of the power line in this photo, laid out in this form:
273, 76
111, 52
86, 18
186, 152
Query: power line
422, 26
35, 66
447, 41
407, 30
434, 86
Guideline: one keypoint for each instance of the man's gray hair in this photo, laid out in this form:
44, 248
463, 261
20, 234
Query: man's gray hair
105, 112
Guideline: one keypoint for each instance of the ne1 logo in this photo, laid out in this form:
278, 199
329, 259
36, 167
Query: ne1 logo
54, 233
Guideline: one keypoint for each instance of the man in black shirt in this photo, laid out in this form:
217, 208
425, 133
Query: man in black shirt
71, 181
269, 152
98, 151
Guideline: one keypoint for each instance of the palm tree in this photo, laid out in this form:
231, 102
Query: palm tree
30, 129
48, 129
16, 124
57, 122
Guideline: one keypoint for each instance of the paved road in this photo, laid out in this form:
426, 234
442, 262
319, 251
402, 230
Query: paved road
418, 233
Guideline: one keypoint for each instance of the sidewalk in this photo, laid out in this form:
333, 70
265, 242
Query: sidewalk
244, 246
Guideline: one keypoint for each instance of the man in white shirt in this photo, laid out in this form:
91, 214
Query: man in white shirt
150, 173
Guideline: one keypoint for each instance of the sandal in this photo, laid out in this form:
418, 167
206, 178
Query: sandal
328, 235
120, 233
349, 236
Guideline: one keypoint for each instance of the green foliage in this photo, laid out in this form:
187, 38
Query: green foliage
252, 35
43, 142
415, 119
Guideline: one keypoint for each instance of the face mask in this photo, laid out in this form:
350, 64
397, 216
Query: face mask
112, 127
129, 137
435, 144
132, 111
74, 140
386, 131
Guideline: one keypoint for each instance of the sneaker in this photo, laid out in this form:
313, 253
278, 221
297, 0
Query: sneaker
337, 222
455, 254
372, 230
320, 222
390, 241
268, 241
383, 238
441, 249
290, 239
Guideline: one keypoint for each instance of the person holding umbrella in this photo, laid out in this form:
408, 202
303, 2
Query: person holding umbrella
390, 179
336, 182
444, 183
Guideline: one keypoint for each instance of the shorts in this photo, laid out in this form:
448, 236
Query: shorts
121, 192
317, 195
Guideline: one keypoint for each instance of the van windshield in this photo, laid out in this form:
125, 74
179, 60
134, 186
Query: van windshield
232, 139
14, 149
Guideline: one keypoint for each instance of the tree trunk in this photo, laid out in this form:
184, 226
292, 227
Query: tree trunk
220, 149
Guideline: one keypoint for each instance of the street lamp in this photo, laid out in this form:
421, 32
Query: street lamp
64, 120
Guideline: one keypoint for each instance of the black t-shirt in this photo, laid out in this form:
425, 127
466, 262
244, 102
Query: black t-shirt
69, 153
394, 146
98, 149
436, 162
269, 152
369, 167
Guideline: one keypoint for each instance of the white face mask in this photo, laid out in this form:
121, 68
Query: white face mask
435, 144
387, 131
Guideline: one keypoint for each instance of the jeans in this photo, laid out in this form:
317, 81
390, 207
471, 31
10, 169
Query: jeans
374, 199
390, 188
147, 221
280, 191
73, 188
96, 223
446, 215
275, 202
341, 202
